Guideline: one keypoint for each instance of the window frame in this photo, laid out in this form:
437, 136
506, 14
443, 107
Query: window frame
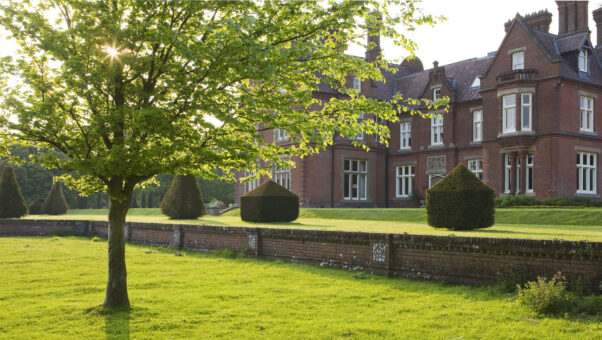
437, 130
357, 84
405, 136
282, 174
516, 64
582, 58
529, 107
477, 126
436, 93
506, 109
507, 173
587, 173
404, 180
250, 185
587, 111
476, 167
349, 174
281, 135
529, 173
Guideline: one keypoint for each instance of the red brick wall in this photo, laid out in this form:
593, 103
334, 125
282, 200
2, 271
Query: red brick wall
465, 260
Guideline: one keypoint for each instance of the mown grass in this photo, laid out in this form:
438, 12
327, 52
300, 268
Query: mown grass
52, 287
557, 223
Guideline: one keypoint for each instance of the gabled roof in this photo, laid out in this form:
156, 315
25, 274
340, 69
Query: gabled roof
460, 74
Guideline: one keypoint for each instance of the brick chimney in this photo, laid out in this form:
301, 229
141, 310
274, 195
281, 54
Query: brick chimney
572, 16
598, 19
374, 21
539, 20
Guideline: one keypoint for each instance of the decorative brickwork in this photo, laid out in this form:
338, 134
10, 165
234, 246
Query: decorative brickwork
464, 260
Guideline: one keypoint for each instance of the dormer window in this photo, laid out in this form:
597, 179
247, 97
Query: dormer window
476, 83
436, 93
582, 61
518, 60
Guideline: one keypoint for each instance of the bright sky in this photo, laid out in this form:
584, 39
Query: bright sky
473, 28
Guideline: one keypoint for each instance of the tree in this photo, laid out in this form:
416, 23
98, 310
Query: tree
127, 90
12, 203
55, 203
183, 199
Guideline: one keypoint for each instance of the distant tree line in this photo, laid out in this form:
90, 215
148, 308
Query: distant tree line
35, 183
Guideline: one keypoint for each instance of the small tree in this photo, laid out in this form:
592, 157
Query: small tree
183, 199
269, 202
12, 203
35, 208
55, 203
460, 201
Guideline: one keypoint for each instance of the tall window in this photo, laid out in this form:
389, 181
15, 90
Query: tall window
507, 173
517, 184
404, 181
529, 173
355, 173
587, 113
357, 84
282, 174
280, 135
437, 130
476, 166
526, 111
586, 173
477, 126
252, 184
436, 93
405, 134
509, 114
518, 60
583, 61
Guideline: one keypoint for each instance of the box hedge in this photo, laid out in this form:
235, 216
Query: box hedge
460, 201
269, 202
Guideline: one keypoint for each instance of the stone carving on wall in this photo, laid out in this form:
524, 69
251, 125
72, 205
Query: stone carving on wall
378, 252
435, 164
252, 241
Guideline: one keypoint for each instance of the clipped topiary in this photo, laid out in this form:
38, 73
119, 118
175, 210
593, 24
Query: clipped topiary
35, 208
460, 201
12, 203
183, 199
269, 202
55, 203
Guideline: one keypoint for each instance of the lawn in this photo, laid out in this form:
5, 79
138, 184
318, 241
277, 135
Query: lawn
557, 223
52, 287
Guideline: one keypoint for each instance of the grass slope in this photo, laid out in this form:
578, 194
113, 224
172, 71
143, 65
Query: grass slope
557, 223
52, 287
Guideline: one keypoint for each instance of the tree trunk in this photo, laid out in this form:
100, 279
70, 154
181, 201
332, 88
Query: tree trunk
117, 290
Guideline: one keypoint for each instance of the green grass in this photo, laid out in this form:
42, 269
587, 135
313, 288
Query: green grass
557, 223
52, 287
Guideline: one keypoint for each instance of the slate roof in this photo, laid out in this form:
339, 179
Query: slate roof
460, 74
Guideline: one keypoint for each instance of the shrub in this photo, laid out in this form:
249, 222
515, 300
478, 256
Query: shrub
183, 199
460, 201
269, 202
526, 201
55, 203
12, 203
35, 208
546, 296
516, 201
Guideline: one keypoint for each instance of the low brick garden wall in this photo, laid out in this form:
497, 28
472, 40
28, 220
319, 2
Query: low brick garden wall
463, 260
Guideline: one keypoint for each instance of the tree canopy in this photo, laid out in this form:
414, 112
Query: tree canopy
126, 90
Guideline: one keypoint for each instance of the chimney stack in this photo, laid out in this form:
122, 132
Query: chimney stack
572, 16
598, 19
374, 23
539, 20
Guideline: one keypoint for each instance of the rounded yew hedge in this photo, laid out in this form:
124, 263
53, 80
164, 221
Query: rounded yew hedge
269, 202
183, 199
12, 203
460, 201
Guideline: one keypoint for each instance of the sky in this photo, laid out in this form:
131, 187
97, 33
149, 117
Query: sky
472, 29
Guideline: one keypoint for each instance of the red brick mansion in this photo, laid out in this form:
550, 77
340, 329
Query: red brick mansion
525, 119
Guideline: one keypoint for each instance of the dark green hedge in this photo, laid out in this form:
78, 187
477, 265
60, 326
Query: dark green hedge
35, 208
12, 203
460, 201
269, 202
55, 203
183, 199
529, 201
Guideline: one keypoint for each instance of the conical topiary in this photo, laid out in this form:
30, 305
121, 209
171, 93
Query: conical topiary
460, 201
12, 203
183, 199
35, 208
269, 202
55, 203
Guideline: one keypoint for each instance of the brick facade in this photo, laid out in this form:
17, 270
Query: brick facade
463, 260
549, 75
